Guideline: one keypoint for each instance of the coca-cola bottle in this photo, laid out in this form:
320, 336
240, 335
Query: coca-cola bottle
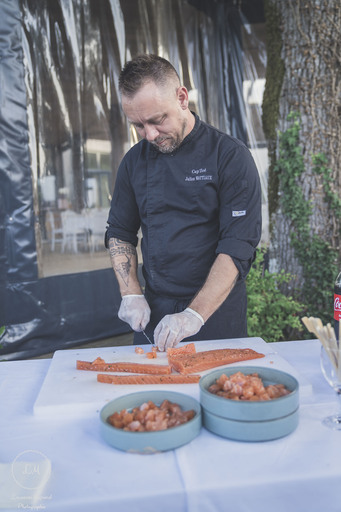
337, 305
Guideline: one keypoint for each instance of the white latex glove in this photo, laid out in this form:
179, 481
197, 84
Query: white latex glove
134, 310
174, 328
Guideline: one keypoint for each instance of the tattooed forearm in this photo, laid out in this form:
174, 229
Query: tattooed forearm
117, 247
124, 262
123, 269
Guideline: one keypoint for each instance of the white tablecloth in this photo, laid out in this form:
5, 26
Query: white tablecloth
61, 462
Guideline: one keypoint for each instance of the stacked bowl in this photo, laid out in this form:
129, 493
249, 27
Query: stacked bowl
244, 420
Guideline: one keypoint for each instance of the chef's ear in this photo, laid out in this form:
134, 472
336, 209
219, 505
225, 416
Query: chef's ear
182, 95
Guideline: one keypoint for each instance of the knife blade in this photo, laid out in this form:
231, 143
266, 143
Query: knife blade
147, 338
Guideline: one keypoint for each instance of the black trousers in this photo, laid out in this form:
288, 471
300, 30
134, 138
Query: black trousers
229, 321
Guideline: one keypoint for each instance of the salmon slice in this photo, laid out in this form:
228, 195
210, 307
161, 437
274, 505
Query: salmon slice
194, 363
185, 349
102, 366
148, 379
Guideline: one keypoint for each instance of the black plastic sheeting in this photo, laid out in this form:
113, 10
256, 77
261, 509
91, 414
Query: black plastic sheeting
59, 64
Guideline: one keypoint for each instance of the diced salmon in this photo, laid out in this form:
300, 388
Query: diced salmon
149, 417
246, 387
151, 355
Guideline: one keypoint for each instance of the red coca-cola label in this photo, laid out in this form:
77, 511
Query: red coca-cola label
337, 307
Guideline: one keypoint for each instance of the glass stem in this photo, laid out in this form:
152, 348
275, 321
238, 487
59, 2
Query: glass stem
338, 392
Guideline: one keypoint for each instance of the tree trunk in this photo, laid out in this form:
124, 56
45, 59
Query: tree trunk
311, 52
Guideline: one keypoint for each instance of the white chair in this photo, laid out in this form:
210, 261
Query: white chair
56, 233
74, 227
97, 220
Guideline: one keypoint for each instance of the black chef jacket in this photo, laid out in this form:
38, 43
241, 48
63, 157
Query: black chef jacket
201, 200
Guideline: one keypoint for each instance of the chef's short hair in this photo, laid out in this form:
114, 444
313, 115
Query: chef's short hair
145, 68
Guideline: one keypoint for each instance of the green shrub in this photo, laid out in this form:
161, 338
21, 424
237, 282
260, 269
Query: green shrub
271, 315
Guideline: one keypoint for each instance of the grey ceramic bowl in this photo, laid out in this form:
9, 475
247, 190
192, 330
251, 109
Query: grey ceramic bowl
250, 430
246, 420
246, 410
150, 442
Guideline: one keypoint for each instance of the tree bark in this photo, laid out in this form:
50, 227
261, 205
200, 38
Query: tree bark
311, 53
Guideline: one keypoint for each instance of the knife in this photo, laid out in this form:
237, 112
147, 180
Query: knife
147, 338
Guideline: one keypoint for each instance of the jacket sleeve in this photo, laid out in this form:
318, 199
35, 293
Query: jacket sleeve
240, 208
124, 219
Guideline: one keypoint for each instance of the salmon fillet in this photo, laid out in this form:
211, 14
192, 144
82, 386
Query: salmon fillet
200, 361
99, 365
185, 349
148, 379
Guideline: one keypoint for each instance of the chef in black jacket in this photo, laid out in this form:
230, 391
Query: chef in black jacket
195, 193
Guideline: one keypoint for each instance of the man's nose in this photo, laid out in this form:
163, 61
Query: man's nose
150, 133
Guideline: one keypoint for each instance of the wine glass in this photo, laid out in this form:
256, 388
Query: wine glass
331, 369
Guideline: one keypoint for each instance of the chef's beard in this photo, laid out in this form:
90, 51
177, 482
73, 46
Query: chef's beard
172, 143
